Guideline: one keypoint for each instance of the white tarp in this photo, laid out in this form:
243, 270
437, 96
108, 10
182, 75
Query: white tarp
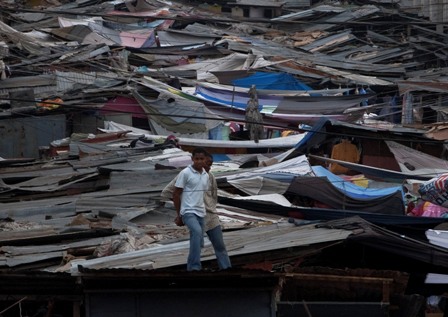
283, 171
272, 198
414, 162
259, 185
280, 142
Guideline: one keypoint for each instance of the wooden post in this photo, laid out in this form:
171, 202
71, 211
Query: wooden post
76, 309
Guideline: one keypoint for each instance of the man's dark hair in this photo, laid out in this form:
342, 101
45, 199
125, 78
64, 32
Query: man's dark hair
199, 150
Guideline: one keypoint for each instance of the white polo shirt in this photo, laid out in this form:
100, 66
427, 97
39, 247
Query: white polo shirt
194, 185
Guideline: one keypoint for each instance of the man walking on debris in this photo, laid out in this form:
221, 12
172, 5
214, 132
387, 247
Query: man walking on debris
211, 219
254, 120
188, 198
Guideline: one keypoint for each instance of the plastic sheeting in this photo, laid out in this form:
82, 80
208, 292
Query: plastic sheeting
282, 172
352, 190
275, 81
178, 114
337, 193
417, 163
259, 185
435, 190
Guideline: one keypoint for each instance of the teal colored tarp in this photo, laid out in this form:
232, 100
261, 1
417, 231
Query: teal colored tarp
271, 81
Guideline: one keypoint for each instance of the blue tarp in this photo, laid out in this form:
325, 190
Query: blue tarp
352, 190
272, 81
313, 137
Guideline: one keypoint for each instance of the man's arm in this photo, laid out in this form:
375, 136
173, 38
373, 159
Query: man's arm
168, 191
177, 195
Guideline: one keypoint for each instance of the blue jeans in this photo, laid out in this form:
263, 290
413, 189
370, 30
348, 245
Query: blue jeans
215, 236
195, 225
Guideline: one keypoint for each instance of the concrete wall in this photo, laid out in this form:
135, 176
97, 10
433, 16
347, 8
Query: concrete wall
237, 12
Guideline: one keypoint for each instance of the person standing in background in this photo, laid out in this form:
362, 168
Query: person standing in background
253, 117
344, 151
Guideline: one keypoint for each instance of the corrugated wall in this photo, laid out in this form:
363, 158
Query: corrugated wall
22, 137
435, 10
66, 80
298, 3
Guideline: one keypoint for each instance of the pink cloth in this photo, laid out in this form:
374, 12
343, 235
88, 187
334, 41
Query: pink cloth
427, 209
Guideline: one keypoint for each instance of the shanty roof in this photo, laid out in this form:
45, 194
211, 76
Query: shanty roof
93, 208
254, 3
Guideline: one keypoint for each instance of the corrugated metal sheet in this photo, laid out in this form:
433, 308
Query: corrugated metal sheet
22, 137
329, 41
346, 16
281, 235
39, 84
66, 80
297, 3
307, 13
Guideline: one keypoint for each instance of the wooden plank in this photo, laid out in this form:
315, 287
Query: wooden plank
385, 283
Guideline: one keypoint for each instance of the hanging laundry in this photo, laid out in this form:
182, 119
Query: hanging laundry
344, 151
